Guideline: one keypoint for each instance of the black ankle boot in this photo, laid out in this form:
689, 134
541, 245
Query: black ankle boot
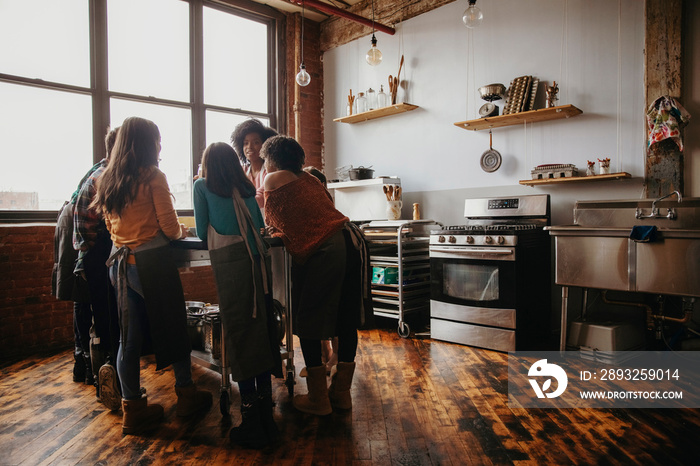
250, 433
78, 368
266, 416
89, 377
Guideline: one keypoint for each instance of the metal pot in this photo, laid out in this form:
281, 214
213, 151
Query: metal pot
361, 173
492, 92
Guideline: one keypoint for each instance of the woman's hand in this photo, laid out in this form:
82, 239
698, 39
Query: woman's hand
184, 231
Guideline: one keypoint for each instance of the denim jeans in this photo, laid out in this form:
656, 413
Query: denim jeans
129, 355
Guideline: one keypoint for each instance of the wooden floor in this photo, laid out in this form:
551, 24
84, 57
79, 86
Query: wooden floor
416, 402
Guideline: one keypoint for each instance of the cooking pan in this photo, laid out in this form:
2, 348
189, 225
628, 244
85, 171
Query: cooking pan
361, 173
491, 159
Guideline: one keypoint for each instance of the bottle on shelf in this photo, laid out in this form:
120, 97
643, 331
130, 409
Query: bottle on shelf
371, 99
382, 99
361, 102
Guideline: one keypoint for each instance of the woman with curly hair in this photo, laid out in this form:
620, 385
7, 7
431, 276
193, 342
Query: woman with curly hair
330, 292
247, 139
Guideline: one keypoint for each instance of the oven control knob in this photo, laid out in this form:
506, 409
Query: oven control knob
441, 239
470, 239
500, 240
488, 240
452, 239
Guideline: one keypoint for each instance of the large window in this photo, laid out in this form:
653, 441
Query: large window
71, 68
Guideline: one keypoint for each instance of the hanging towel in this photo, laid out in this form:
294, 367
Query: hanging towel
665, 118
643, 233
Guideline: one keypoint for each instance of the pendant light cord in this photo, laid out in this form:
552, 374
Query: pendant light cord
302, 32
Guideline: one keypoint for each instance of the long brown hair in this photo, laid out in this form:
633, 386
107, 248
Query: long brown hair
131, 163
222, 171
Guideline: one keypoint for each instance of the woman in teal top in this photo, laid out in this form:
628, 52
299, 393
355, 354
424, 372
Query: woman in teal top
225, 206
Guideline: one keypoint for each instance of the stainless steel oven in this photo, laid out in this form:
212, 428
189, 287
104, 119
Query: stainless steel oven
491, 278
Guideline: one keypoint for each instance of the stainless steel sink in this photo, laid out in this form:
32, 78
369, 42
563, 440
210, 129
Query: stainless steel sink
597, 252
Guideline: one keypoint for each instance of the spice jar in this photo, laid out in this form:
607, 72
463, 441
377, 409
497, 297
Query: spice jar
361, 102
416, 211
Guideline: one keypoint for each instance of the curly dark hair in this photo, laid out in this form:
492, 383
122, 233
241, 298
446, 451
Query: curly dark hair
252, 125
283, 152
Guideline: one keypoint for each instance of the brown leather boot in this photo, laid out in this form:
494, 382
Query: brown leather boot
339, 391
190, 400
139, 416
316, 401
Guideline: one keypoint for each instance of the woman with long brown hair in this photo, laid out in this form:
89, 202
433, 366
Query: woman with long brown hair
229, 220
134, 197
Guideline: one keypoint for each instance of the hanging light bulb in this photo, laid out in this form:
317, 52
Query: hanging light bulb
303, 78
472, 16
374, 55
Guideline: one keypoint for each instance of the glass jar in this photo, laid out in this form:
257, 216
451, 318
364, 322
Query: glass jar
382, 99
361, 102
371, 99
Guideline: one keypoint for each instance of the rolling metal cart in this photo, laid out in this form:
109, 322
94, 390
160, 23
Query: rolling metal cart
400, 264
191, 252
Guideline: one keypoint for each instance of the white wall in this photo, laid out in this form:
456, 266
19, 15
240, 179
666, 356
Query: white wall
592, 49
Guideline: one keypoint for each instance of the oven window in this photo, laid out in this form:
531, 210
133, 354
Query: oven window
470, 281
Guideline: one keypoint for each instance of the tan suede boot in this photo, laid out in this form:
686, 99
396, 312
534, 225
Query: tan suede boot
139, 416
316, 401
190, 400
339, 391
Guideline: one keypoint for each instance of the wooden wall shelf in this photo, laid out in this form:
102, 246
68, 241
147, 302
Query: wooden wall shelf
377, 113
532, 116
573, 179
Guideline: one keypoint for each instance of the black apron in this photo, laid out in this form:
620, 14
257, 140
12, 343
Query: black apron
242, 283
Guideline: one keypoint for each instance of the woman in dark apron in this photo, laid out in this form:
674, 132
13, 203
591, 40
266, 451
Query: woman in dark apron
229, 220
133, 196
329, 289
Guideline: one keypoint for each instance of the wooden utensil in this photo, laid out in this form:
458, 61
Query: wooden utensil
386, 192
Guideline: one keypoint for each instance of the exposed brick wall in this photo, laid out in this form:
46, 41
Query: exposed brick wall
32, 321
311, 96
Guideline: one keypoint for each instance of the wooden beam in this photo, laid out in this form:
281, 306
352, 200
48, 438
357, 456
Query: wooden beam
337, 31
663, 76
332, 10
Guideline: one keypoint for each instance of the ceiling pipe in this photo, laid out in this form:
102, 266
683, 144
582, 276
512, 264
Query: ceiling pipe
330, 9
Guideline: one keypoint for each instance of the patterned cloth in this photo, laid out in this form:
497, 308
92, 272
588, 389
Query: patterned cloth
665, 118
302, 213
86, 221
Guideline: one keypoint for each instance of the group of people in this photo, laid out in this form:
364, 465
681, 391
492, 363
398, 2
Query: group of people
249, 189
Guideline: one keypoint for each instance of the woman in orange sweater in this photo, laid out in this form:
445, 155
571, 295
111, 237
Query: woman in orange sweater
327, 252
134, 197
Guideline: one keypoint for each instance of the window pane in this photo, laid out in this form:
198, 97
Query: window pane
175, 125
220, 125
46, 39
235, 62
46, 142
149, 48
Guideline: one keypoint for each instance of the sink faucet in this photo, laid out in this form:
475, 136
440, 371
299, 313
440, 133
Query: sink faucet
670, 214
653, 204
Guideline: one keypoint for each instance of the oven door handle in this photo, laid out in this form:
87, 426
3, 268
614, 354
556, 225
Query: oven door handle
457, 251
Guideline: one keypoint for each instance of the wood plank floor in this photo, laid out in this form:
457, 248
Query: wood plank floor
416, 402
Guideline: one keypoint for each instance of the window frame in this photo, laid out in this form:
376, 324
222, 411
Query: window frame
101, 95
